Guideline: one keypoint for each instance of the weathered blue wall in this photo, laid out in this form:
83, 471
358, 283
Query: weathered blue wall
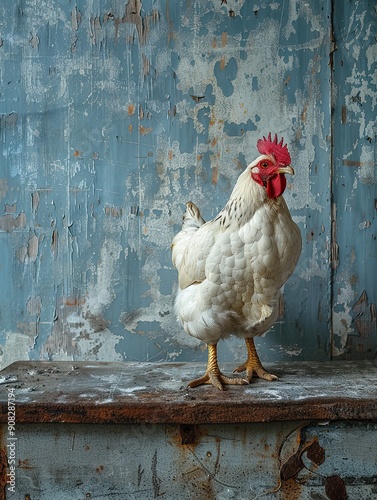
114, 113
355, 179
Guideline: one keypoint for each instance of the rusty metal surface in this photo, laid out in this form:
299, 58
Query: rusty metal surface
275, 461
157, 393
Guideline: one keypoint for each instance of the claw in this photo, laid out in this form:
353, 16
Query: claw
213, 374
253, 366
257, 371
218, 380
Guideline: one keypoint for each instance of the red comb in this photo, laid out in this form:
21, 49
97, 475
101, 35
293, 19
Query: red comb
269, 147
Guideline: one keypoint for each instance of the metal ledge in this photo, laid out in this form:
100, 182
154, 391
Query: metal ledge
122, 393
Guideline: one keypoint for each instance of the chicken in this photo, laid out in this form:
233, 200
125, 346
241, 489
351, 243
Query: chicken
231, 269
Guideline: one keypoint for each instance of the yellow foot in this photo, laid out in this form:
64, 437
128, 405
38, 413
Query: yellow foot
252, 365
217, 379
255, 370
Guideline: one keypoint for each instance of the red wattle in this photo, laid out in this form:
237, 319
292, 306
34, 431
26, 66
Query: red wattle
276, 185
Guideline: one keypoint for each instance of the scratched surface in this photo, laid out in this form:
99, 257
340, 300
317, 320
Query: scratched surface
247, 461
114, 113
157, 393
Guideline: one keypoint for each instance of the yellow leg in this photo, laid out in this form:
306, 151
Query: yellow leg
252, 365
213, 374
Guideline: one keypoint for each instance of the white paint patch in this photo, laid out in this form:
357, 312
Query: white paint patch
101, 292
99, 346
342, 320
16, 348
317, 265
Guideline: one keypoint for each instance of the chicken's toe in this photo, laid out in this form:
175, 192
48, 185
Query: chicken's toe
253, 366
217, 379
255, 370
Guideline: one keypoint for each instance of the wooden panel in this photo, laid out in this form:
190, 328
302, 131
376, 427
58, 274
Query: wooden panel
112, 115
355, 180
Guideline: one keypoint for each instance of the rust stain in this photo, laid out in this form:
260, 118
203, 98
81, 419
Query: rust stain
130, 128
290, 486
133, 16
214, 142
222, 63
197, 98
170, 154
3, 464
294, 464
291, 489
187, 433
335, 488
77, 153
145, 130
214, 43
73, 301
344, 114
215, 175
315, 453
224, 39
354, 163
131, 109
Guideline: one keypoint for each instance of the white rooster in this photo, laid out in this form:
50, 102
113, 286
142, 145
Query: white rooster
231, 269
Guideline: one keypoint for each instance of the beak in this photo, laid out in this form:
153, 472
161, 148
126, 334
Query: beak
286, 170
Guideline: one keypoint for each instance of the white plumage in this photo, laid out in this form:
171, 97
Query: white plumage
231, 269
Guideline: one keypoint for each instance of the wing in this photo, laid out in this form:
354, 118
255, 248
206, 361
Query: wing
191, 246
192, 265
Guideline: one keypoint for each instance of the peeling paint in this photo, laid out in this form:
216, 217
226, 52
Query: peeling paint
119, 112
9, 223
29, 252
16, 346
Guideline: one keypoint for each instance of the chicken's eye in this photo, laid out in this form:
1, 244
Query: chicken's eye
264, 164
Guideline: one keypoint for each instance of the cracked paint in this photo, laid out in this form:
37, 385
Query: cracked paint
117, 113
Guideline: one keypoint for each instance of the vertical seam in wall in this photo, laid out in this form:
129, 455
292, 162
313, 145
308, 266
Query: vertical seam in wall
333, 242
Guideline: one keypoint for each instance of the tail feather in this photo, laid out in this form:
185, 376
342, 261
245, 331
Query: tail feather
192, 220
192, 216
